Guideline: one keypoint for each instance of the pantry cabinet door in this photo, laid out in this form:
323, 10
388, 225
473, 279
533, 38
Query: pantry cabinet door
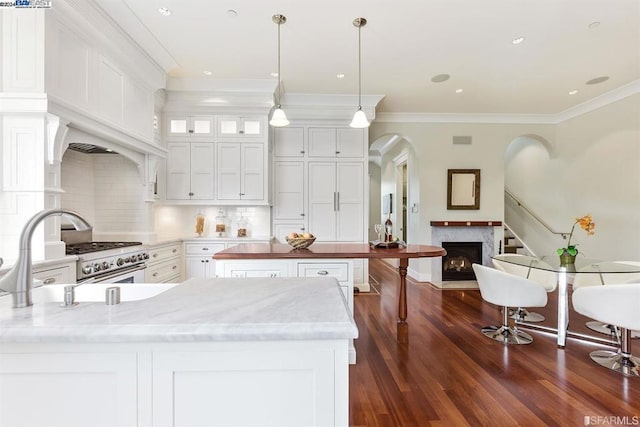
289, 191
322, 200
228, 169
202, 170
350, 203
252, 185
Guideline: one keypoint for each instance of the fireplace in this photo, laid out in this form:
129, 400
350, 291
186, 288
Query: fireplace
456, 264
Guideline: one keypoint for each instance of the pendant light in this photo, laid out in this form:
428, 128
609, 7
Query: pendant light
359, 118
278, 117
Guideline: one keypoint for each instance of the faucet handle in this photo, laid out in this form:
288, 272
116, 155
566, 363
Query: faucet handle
69, 296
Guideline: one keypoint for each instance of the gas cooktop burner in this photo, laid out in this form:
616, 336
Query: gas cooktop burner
87, 247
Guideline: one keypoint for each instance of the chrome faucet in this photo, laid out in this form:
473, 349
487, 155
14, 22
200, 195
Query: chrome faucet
18, 281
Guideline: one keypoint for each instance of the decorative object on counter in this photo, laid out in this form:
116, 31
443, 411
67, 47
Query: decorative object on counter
221, 224
279, 118
388, 229
199, 223
300, 241
359, 118
568, 253
378, 228
387, 245
242, 226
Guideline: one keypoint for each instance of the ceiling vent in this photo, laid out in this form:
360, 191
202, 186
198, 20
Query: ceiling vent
462, 140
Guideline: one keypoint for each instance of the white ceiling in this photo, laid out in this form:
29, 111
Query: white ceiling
404, 44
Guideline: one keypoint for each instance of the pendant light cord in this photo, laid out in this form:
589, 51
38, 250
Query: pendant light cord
279, 78
359, 68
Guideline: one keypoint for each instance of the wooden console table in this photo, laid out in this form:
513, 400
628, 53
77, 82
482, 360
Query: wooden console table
341, 250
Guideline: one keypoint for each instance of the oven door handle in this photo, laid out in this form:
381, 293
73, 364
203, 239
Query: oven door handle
115, 273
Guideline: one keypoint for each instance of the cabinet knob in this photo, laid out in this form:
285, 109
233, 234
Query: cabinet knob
202, 261
302, 214
337, 152
240, 131
174, 267
301, 151
205, 249
155, 255
206, 260
154, 274
49, 280
323, 273
174, 250
190, 194
190, 130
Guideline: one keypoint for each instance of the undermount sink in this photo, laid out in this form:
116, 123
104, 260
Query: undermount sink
95, 292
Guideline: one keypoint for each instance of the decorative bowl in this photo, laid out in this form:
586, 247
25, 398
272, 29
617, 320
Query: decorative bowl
300, 242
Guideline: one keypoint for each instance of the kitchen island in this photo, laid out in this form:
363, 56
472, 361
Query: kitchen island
206, 352
332, 254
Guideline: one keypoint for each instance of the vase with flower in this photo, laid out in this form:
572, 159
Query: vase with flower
568, 253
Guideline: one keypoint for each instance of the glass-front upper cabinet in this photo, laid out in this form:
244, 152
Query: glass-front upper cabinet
240, 126
189, 126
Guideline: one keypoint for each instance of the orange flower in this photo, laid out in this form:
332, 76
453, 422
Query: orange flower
587, 224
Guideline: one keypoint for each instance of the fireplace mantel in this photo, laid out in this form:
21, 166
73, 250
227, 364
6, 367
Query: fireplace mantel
466, 223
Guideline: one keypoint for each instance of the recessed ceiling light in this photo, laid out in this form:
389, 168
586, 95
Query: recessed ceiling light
274, 74
207, 73
598, 80
459, 90
340, 76
164, 11
573, 92
517, 40
593, 25
440, 78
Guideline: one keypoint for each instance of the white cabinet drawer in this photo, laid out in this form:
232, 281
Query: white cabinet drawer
164, 252
54, 276
161, 272
338, 270
203, 248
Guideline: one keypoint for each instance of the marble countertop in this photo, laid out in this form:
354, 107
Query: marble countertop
221, 309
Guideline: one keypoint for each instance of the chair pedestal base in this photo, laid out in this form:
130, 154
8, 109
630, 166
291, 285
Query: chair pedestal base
625, 364
524, 315
507, 335
604, 328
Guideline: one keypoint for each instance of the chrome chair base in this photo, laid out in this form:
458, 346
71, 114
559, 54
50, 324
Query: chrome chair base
524, 315
507, 335
603, 328
616, 361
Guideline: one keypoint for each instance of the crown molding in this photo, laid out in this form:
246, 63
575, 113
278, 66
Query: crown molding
497, 118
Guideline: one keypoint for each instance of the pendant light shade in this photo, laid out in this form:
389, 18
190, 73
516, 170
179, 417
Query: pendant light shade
359, 118
278, 117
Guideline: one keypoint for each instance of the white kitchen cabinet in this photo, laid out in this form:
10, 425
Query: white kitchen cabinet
337, 142
240, 127
289, 190
336, 201
289, 142
190, 171
198, 259
181, 127
240, 172
164, 264
55, 275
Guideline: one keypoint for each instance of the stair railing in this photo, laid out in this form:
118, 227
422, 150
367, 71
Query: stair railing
534, 215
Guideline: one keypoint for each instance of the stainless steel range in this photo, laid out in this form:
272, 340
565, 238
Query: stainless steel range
109, 262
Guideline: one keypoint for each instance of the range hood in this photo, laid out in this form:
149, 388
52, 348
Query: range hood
90, 148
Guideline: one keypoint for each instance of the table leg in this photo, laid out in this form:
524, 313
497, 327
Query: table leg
403, 327
563, 307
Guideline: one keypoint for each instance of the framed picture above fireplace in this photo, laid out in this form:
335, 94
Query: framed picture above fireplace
463, 189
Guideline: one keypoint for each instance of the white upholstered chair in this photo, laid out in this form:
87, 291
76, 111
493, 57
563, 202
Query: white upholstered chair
547, 278
615, 305
591, 276
508, 290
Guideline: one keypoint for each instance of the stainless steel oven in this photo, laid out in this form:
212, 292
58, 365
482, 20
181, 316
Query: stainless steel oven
130, 275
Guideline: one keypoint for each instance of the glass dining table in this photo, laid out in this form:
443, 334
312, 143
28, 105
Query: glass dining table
585, 272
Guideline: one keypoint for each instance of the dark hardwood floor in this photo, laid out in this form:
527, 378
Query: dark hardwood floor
451, 375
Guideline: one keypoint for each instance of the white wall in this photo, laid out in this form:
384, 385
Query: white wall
594, 168
433, 153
